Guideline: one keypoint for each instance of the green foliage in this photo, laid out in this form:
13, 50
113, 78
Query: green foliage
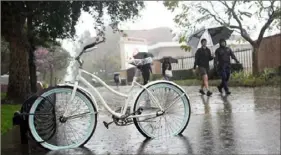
268, 73
183, 74
269, 77
7, 113
234, 14
3, 95
45, 85
171, 5
186, 48
5, 52
238, 76
50, 20
156, 77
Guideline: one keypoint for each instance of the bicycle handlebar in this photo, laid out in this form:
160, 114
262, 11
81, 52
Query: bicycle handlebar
87, 47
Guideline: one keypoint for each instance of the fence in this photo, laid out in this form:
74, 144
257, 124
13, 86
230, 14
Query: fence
243, 55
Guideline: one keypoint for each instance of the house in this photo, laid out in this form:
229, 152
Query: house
159, 42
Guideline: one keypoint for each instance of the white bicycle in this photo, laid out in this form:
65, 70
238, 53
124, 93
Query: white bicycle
159, 109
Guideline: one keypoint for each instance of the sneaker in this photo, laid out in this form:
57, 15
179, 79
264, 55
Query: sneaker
209, 93
228, 93
220, 89
201, 91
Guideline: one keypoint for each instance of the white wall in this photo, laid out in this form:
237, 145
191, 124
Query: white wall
169, 51
129, 47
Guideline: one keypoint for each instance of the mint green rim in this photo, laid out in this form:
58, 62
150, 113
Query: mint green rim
185, 102
55, 147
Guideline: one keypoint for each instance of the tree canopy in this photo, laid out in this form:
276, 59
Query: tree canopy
50, 20
236, 15
27, 24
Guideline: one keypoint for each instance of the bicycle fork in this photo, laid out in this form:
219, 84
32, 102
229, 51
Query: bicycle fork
71, 98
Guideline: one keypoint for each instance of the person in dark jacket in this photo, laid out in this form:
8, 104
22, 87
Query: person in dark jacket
116, 80
202, 58
223, 64
166, 65
146, 70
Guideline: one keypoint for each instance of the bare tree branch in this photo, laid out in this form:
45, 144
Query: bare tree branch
218, 19
268, 22
217, 15
242, 31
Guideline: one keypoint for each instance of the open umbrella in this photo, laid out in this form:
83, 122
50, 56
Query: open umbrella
171, 59
212, 35
140, 55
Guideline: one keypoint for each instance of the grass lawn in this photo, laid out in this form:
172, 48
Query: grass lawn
3, 95
7, 113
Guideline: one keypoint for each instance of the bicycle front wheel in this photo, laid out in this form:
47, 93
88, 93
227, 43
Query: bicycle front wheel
173, 101
57, 124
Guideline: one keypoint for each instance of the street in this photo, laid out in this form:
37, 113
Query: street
246, 122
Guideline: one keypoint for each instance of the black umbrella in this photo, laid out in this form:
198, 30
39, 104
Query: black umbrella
216, 34
170, 59
141, 55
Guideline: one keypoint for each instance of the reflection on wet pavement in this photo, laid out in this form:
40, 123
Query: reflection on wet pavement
246, 122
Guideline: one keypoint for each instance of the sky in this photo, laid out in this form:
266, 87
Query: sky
154, 15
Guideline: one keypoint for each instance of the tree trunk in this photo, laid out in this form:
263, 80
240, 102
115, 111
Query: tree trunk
12, 28
32, 71
51, 76
255, 60
44, 76
19, 86
32, 66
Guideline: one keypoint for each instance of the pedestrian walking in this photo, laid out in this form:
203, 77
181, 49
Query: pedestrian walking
202, 58
146, 68
116, 80
167, 69
222, 63
143, 67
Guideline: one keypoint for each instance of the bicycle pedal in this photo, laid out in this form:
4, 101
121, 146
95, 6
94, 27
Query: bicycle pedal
106, 124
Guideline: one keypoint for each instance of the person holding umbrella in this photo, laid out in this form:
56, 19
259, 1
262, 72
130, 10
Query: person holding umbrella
202, 58
166, 69
143, 62
222, 62
146, 68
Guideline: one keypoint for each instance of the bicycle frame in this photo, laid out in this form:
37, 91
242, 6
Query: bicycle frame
79, 78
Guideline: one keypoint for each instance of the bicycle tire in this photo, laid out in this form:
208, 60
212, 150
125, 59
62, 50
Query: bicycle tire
171, 85
48, 146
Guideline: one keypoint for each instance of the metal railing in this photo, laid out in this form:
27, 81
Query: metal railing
243, 55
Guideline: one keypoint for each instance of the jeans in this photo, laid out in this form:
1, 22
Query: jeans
145, 76
225, 74
166, 78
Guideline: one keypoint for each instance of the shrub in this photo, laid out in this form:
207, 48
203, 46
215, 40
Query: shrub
238, 76
156, 77
45, 85
183, 74
268, 73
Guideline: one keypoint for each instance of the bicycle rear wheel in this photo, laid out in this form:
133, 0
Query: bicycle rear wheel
51, 130
173, 121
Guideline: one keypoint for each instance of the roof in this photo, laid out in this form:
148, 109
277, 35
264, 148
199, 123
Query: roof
165, 44
161, 34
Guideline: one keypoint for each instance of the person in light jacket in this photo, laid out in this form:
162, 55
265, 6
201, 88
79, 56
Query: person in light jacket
166, 65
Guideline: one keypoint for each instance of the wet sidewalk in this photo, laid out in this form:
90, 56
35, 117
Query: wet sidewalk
246, 122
